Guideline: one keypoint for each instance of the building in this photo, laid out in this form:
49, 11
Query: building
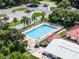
63, 49
73, 33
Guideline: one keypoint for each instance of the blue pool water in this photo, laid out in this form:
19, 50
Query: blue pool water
40, 31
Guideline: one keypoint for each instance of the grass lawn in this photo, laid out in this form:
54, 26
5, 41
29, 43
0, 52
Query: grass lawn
43, 43
2, 15
52, 8
14, 24
47, 0
30, 56
38, 14
19, 9
62, 33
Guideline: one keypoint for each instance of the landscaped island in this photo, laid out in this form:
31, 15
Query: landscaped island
2, 15
38, 14
19, 9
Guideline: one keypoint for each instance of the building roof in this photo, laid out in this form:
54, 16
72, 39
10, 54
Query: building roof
54, 36
63, 48
74, 31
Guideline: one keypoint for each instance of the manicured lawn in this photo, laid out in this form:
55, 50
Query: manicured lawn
52, 8
38, 14
2, 15
47, 0
43, 43
30, 56
19, 9
62, 33
14, 24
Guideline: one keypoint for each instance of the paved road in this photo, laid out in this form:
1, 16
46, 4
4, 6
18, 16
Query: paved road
19, 15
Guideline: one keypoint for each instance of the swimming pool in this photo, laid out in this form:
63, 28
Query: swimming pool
40, 31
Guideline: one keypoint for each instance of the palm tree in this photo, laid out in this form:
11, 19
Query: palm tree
30, 20
42, 19
34, 19
15, 20
24, 21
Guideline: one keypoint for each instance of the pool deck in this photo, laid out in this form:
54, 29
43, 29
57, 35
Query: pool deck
44, 36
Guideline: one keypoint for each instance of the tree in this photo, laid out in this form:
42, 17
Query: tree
5, 26
11, 3
12, 44
15, 20
12, 40
58, 1
2, 56
24, 21
35, 2
64, 4
15, 55
65, 17
42, 19
74, 3
27, 20
5, 51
